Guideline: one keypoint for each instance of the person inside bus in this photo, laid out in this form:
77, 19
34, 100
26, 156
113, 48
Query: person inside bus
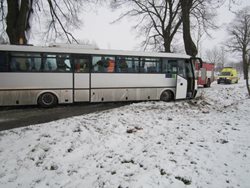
77, 67
111, 65
14, 65
101, 65
62, 66
81, 65
28, 65
123, 66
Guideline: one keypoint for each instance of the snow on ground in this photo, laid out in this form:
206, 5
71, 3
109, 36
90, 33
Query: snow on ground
199, 143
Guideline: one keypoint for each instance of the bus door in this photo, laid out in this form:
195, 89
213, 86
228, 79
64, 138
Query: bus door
81, 77
181, 81
186, 85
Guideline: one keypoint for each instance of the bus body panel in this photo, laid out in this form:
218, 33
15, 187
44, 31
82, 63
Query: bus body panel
129, 94
25, 88
30, 97
81, 87
29, 80
130, 80
81, 80
129, 87
81, 95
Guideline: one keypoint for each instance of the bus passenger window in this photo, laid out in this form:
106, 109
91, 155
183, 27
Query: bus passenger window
150, 65
127, 64
50, 63
14, 65
81, 64
3, 62
63, 63
169, 67
103, 64
57, 63
25, 62
122, 65
182, 68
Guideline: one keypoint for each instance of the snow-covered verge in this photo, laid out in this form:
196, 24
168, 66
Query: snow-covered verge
199, 143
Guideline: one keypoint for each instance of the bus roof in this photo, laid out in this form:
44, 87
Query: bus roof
72, 50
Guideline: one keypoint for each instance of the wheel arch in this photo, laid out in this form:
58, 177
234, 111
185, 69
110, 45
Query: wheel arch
172, 90
47, 91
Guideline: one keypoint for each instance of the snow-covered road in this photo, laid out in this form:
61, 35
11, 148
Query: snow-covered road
200, 143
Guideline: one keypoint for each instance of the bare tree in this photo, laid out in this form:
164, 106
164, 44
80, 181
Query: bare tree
158, 20
197, 15
239, 39
217, 56
213, 56
190, 47
60, 16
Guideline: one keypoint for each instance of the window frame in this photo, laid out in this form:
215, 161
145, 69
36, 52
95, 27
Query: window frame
57, 58
9, 56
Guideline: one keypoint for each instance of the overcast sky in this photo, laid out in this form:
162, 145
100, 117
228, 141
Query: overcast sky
97, 28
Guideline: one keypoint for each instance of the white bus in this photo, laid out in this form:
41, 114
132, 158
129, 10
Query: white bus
48, 76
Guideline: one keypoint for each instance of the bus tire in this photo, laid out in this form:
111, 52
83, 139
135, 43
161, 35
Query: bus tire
47, 100
167, 96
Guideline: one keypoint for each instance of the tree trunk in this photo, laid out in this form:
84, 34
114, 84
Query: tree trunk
245, 69
245, 65
17, 20
167, 45
11, 20
246, 74
190, 47
247, 84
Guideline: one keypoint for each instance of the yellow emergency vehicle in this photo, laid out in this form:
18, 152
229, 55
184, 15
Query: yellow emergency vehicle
228, 75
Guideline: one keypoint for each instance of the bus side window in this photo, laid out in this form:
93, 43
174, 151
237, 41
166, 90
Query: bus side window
63, 63
182, 68
36, 63
50, 64
14, 66
103, 64
57, 63
127, 64
3, 62
122, 65
169, 67
81, 64
25, 62
150, 65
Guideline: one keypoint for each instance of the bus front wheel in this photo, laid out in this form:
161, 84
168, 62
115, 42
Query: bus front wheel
167, 96
47, 100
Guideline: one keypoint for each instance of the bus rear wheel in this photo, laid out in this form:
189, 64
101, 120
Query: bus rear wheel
167, 96
47, 100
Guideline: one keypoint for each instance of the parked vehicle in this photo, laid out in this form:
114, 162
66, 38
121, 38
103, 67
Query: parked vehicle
53, 75
205, 74
228, 75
